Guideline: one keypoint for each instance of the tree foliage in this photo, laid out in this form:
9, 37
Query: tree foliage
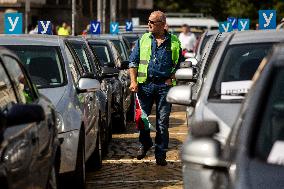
221, 9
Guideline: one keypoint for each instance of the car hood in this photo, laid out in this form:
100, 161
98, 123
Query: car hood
54, 94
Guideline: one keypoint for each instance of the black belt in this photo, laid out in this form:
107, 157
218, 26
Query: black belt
156, 80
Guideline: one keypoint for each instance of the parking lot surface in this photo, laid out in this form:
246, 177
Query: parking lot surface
121, 169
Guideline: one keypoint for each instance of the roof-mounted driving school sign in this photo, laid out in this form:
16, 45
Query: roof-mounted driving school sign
128, 25
44, 27
234, 22
114, 28
225, 27
95, 27
13, 23
243, 24
267, 19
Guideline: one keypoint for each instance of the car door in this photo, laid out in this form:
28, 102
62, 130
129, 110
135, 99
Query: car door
87, 101
261, 162
45, 129
19, 141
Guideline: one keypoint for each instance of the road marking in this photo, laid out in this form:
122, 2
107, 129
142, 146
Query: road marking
137, 161
132, 181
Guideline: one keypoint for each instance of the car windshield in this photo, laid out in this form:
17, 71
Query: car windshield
102, 52
236, 69
118, 44
43, 64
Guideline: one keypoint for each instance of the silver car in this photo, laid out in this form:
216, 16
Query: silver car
224, 86
53, 68
227, 78
253, 154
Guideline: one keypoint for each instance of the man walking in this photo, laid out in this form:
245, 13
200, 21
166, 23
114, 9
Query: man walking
187, 38
153, 62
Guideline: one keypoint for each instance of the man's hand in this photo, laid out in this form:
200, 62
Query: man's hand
168, 81
133, 86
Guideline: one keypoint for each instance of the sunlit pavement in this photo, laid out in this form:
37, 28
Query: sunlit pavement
121, 169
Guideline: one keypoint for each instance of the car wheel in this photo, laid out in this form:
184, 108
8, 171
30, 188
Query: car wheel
52, 179
130, 113
95, 161
80, 172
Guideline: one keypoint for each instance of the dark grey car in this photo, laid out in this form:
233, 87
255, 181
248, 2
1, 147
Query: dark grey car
90, 65
253, 154
29, 147
53, 68
119, 41
122, 97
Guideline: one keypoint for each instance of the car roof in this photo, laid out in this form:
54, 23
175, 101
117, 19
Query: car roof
27, 39
105, 36
257, 36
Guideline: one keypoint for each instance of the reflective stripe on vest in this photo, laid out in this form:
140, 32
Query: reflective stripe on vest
145, 54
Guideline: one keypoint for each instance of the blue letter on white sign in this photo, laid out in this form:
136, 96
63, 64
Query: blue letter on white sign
267, 19
13, 23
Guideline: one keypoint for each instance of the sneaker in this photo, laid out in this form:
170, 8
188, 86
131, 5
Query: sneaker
142, 152
161, 162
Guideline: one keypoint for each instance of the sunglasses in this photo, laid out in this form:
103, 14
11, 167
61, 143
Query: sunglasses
153, 22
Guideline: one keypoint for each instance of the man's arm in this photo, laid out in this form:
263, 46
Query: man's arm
133, 67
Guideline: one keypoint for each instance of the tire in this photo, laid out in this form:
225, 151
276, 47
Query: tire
130, 113
52, 179
95, 161
80, 171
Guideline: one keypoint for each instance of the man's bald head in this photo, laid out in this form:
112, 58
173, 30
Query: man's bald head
159, 15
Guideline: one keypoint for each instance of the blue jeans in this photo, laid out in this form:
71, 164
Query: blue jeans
149, 93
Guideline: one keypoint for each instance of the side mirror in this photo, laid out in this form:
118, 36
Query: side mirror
201, 149
180, 95
109, 72
184, 74
204, 129
124, 65
88, 85
22, 114
185, 64
193, 61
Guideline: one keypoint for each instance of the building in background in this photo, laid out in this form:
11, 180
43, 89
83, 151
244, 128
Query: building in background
58, 11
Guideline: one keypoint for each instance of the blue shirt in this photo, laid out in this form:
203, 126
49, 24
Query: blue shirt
161, 63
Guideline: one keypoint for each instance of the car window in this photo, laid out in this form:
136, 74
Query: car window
82, 54
118, 44
21, 84
43, 63
270, 137
7, 95
102, 53
71, 62
236, 69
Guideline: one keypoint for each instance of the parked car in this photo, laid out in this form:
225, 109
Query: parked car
55, 71
228, 78
119, 41
202, 41
28, 130
90, 66
253, 154
122, 97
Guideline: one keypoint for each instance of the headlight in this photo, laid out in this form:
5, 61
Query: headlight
59, 122
18, 154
